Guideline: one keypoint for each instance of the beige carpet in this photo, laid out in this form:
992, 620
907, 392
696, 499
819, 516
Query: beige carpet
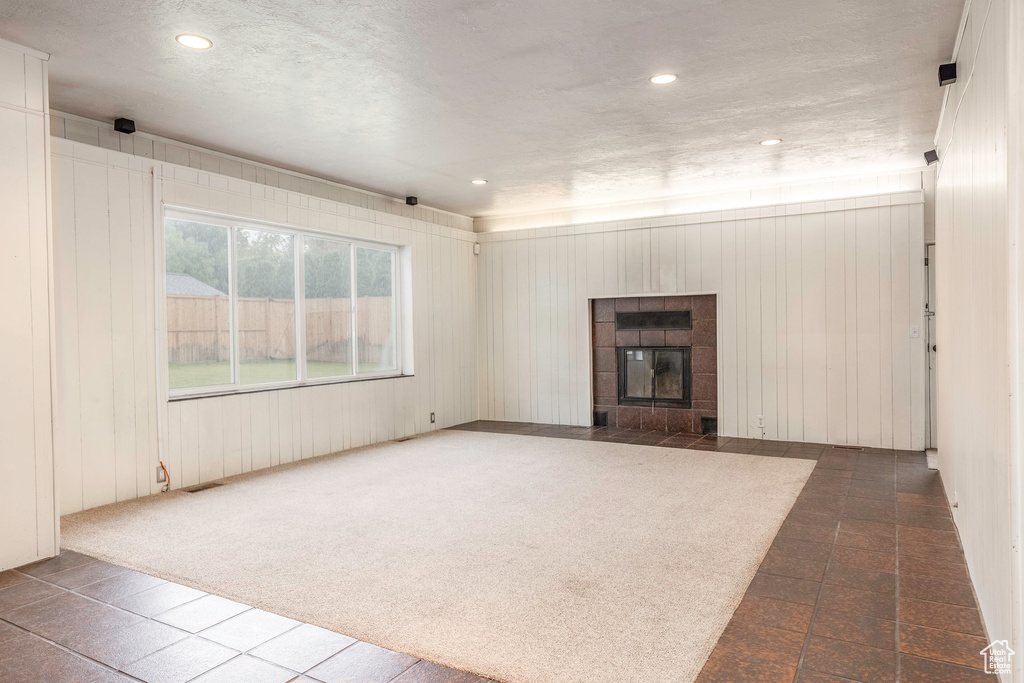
520, 558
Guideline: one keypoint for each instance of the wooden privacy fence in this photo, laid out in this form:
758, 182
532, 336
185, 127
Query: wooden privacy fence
198, 329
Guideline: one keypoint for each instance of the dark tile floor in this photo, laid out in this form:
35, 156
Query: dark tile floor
806, 451
74, 619
865, 581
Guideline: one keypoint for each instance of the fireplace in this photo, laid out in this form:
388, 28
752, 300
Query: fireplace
655, 363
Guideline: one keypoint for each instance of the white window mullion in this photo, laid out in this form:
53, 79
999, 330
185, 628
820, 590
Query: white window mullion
355, 316
396, 322
300, 307
233, 306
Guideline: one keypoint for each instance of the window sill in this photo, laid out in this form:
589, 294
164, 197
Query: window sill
259, 389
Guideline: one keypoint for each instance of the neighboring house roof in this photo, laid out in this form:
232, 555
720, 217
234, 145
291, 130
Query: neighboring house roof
179, 284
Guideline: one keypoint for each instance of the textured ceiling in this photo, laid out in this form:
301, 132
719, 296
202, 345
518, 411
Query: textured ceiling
547, 99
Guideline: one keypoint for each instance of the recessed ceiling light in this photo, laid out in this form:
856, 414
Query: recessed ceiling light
663, 79
195, 42
771, 141
479, 181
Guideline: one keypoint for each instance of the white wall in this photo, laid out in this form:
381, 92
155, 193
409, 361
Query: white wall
816, 304
28, 521
845, 187
975, 254
147, 146
106, 204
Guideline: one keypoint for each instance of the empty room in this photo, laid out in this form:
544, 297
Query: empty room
452, 341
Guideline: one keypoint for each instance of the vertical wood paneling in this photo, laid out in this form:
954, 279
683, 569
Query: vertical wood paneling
69, 453
781, 329
510, 313
850, 331
211, 439
561, 322
728, 375
99, 479
769, 335
190, 469
809, 296
794, 329
581, 353
901, 381
691, 234
232, 434
752, 317
815, 375
740, 325
835, 328
122, 327
978, 316
27, 498
106, 280
868, 354
885, 366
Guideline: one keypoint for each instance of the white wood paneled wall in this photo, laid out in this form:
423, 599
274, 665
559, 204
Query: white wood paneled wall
816, 305
816, 190
974, 251
108, 333
142, 144
28, 519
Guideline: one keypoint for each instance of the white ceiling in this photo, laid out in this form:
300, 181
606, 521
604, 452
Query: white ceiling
547, 99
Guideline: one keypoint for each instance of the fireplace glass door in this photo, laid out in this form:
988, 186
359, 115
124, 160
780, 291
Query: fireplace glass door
655, 376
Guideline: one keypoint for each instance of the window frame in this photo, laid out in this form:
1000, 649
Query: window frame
233, 225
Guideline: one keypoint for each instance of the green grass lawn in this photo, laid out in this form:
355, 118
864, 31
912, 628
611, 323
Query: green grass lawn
184, 375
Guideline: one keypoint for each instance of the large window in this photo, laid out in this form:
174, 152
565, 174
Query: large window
251, 305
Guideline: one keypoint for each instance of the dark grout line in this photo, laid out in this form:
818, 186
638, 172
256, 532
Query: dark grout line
896, 570
78, 655
821, 586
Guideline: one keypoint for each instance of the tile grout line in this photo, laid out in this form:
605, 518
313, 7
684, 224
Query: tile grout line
821, 586
74, 653
896, 569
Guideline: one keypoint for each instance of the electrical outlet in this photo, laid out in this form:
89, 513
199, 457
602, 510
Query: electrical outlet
760, 421
915, 332
160, 476
431, 418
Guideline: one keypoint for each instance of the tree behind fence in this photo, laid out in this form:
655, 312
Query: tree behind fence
198, 329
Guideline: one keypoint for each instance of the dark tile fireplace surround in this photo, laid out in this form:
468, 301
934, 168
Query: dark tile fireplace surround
615, 336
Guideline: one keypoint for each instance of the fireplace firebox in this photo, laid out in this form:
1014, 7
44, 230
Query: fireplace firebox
655, 376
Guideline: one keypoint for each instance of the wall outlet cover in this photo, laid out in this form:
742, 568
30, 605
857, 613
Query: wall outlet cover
431, 418
160, 476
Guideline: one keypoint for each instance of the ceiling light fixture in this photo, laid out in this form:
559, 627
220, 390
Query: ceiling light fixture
479, 181
663, 79
193, 41
771, 141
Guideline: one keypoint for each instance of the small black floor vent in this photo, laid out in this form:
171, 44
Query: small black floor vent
848, 448
202, 487
709, 425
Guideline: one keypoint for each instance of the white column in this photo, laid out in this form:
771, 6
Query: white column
29, 524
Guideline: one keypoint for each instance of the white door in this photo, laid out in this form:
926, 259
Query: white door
933, 437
